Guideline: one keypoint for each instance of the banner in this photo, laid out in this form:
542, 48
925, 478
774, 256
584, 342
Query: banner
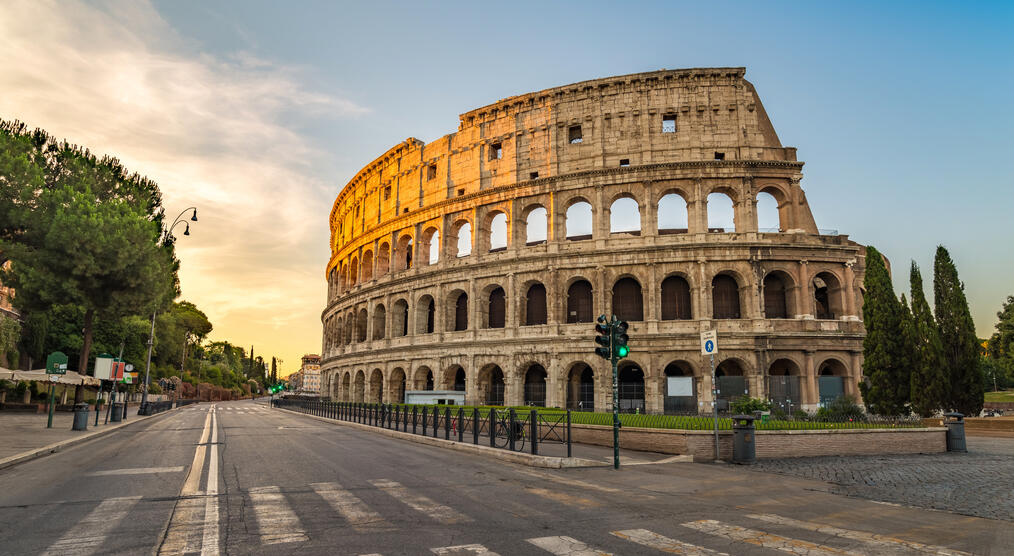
680, 386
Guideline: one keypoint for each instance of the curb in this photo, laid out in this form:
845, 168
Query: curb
546, 462
16, 459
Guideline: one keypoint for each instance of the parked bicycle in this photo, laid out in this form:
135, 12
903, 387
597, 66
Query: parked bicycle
506, 428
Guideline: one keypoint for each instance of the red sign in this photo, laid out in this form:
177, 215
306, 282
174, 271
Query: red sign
116, 370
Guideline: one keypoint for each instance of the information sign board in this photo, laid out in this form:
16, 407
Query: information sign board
56, 363
709, 342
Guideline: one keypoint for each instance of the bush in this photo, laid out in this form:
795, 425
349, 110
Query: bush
746, 406
843, 408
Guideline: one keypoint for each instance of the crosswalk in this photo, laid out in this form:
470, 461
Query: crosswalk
272, 520
237, 410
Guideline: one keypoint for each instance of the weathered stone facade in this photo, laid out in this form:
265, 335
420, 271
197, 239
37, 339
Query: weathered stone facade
441, 275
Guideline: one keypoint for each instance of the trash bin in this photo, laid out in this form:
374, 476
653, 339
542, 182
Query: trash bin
955, 423
743, 448
117, 412
80, 417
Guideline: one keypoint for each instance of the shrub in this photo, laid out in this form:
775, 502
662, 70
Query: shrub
749, 405
843, 408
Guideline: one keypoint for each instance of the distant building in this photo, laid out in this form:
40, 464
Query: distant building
309, 375
6, 295
296, 381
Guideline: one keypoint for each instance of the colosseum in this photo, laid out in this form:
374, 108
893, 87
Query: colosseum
478, 262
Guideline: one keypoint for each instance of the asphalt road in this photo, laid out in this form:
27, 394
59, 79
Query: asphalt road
241, 478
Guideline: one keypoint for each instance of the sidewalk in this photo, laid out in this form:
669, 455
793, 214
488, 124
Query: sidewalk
24, 436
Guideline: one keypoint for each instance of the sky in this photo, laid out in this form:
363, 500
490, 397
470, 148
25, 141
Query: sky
258, 112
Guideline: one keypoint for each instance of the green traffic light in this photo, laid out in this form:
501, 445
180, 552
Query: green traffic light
622, 351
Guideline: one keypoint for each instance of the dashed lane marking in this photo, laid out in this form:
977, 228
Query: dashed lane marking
89, 535
882, 542
420, 503
761, 538
137, 471
355, 512
276, 521
566, 546
650, 539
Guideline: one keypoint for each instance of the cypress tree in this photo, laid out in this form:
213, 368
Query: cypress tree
957, 335
929, 385
907, 350
884, 343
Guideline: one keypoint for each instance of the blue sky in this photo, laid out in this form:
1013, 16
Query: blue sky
899, 110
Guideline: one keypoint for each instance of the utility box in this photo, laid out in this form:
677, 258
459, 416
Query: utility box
435, 397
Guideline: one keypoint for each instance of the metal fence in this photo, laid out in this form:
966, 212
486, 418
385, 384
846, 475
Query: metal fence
506, 429
151, 408
181, 403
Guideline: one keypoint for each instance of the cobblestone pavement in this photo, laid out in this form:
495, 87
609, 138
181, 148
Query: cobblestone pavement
979, 483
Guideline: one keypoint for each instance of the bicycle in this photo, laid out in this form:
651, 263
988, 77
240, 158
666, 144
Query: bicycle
506, 428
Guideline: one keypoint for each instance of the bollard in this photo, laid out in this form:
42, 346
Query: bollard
80, 417
115, 417
475, 425
436, 421
447, 423
461, 424
425, 411
955, 423
415, 417
534, 434
491, 427
124, 411
568, 433
743, 443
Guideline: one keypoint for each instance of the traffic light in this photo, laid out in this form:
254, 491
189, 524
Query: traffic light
620, 339
602, 337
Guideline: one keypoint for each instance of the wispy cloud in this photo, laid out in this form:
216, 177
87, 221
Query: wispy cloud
212, 130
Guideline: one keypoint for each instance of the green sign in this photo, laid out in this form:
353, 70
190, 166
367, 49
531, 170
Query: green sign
56, 363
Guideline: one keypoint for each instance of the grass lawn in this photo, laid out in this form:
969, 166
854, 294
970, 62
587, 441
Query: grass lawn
1001, 396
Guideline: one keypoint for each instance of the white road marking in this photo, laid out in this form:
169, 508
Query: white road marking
89, 535
420, 503
209, 544
665, 544
138, 471
566, 546
350, 507
464, 549
275, 519
882, 542
761, 538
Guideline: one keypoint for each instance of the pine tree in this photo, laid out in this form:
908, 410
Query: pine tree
883, 347
957, 335
929, 383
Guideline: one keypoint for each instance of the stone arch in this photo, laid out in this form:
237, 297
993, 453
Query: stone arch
628, 299
725, 296
460, 238
495, 232
494, 314
376, 387
379, 321
676, 298
332, 282
346, 387
429, 246
396, 383
535, 380
339, 333
631, 379
721, 211
769, 213
353, 272
680, 382
383, 259
492, 385
581, 387
344, 278
580, 301
367, 270
673, 215
359, 388
456, 313
425, 315
424, 379
785, 389
399, 318
536, 219
535, 306
403, 253
350, 327
779, 303
832, 373
361, 321
625, 215
454, 378
579, 222
828, 296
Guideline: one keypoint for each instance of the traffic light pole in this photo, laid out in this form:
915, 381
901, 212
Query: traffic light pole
616, 417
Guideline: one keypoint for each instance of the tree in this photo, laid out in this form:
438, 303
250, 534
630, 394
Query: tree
929, 384
1000, 347
883, 348
957, 335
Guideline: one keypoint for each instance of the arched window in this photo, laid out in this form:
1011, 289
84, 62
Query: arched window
827, 293
405, 252
672, 215
628, 304
465, 240
775, 306
581, 388
367, 266
354, 272
579, 221
535, 386
725, 292
721, 215
624, 217
676, 299
459, 380
497, 308
631, 388
535, 227
768, 220
535, 305
379, 321
383, 259
461, 312
498, 233
425, 315
361, 325
491, 382
399, 316
429, 246
579, 302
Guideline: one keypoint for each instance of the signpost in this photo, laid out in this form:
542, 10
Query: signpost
56, 365
709, 346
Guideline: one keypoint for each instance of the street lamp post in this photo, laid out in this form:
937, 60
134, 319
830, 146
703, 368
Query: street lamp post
151, 335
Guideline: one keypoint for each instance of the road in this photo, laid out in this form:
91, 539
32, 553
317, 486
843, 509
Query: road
242, 478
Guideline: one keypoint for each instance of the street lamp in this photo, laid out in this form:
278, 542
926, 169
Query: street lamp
151, 335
